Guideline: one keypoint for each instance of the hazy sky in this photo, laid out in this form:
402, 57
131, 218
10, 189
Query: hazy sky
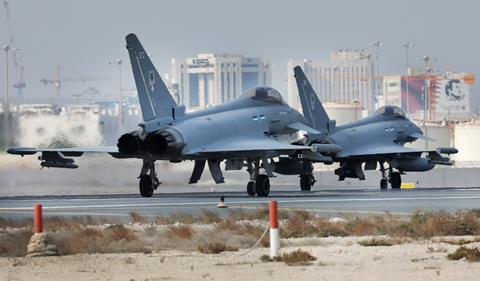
85, 35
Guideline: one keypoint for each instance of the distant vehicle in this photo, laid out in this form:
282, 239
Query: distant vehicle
243, 132
377, 139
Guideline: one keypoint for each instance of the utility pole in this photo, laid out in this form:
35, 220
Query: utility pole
425, 98
407, 45
377, 44
6, 103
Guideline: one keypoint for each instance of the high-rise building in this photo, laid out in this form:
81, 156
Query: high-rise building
347, 78
211, 79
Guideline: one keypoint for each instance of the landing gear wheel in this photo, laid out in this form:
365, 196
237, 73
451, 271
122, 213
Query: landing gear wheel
305, 183
262, 185
383, 184
396, 180
146, 186
251, 189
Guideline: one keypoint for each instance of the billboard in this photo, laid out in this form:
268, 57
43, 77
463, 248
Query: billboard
448, 97
453, 100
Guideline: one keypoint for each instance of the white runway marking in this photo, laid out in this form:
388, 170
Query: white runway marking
264, 201
231, 207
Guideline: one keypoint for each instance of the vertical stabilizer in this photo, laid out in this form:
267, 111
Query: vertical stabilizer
311, 106
155, 99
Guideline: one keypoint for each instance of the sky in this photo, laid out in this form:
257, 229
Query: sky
84, 36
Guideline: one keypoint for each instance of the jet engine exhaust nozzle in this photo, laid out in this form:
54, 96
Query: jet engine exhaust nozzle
168, 141
129, 143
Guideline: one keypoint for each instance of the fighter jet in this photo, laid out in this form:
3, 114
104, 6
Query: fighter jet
244, 132
361, 145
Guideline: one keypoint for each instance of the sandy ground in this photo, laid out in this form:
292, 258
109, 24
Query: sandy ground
337, 259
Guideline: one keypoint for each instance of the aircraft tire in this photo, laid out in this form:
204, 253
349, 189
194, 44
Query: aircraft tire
262, 185
146, 186
305, 184
383, 184
396, 180
251, 189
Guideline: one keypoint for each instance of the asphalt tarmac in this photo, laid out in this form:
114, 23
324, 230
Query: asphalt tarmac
324, 202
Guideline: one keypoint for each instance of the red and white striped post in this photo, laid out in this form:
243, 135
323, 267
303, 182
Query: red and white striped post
37, 218
274, 233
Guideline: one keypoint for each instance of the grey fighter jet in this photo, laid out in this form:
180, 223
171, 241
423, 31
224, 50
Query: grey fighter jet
361, 145
243, 132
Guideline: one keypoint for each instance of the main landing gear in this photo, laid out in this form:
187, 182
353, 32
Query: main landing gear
259, 184
394, 178
307, 179
148, 179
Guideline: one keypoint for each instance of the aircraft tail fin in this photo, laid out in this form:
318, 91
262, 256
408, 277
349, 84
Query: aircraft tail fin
312, 107
155, 99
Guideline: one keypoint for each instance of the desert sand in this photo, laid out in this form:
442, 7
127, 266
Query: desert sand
337, 259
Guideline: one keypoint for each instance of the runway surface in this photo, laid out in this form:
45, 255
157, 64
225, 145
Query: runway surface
323, 202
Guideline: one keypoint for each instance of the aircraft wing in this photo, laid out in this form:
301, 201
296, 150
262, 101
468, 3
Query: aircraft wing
32, 150
57, 157
246, 145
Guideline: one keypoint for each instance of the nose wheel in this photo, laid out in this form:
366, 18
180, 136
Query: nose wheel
262, 185
394, 178
383, 184
259, 184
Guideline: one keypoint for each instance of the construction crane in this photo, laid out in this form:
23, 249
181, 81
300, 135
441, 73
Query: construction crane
18, 67
59, 80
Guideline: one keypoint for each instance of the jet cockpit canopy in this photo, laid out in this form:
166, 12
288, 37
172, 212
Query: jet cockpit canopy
265, 94
391, 111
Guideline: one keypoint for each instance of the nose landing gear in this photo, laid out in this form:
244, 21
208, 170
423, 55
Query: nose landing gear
259, 184
394, 178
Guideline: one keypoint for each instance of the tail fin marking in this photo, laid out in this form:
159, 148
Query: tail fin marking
311, 106
155, 99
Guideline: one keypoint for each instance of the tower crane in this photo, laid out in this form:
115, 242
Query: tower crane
59, 79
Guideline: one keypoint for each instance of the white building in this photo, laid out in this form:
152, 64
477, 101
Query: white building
347, 78
211, 79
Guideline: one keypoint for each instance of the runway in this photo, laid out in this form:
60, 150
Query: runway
323, 202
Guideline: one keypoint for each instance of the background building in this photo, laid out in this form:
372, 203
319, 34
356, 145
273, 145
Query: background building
347, 78
211, 79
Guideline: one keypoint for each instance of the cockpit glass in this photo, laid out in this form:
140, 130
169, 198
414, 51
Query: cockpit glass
391, 111
265, 94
